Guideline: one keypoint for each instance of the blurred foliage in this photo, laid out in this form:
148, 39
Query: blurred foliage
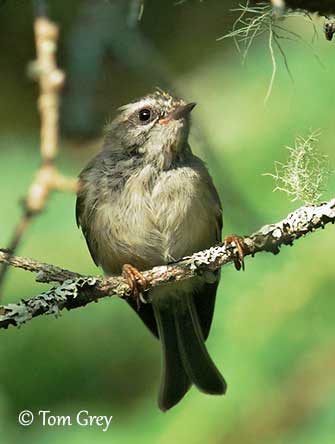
273, 333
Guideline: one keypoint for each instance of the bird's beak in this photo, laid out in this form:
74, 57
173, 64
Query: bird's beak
178, 113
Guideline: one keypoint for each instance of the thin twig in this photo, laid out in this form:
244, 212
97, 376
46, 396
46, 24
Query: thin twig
274, 65
76, 290
47, 178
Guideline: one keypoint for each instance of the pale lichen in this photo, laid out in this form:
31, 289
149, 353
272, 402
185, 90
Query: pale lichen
265, 18
305, 174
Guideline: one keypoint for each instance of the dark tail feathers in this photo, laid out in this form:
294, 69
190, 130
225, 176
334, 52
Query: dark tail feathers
185, 357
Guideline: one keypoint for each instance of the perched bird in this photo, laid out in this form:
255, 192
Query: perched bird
329, 27
147, 200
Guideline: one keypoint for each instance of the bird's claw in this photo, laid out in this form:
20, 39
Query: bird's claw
238, 243
136, 281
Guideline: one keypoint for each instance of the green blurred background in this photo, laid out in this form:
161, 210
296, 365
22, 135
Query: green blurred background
273, 333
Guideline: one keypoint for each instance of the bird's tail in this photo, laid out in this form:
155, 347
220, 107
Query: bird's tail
185, 358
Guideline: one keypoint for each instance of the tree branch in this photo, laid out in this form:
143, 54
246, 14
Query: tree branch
47, 178
324, 7
75, 290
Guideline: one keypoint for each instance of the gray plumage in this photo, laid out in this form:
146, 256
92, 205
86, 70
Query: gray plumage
146, 200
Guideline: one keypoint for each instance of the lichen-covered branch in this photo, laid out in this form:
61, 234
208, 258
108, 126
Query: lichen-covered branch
280, 9
324, 7
75, 290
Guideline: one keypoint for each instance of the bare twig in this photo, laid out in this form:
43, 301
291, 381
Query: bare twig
47, 178
76, 290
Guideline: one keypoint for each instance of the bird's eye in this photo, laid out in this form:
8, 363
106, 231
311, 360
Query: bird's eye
144, 115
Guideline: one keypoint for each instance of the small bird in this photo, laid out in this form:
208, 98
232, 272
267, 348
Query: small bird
329, 27
147, 200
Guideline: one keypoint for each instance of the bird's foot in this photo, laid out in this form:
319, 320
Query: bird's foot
237, 242
136, 282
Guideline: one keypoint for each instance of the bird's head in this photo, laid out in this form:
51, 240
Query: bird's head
154, 128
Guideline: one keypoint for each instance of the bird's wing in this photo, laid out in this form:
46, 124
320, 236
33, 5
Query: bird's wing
83, 214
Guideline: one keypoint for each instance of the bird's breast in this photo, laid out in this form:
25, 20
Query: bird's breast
157, 218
